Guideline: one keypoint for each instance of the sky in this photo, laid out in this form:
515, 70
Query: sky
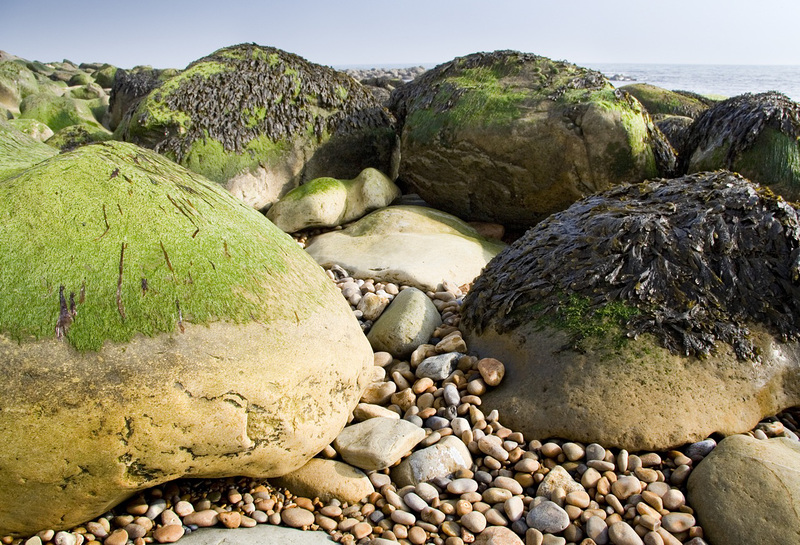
173, 33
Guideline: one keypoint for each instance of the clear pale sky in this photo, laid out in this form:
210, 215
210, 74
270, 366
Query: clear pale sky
172, 33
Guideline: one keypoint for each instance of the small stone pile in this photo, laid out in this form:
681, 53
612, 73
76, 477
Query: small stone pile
515, 489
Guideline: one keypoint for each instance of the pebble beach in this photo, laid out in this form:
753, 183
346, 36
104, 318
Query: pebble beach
517, 490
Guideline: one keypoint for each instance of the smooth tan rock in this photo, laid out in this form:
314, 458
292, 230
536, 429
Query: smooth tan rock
327, 479
407, 323
169, 533
328, 202
377, 443
497, 535
748, 483
141, 390
439, 460
409, 245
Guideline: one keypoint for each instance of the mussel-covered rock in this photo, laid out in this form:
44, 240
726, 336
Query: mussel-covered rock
757, 135
646, 316
126, 90
512, 137
153, 327
261, 121
661, 101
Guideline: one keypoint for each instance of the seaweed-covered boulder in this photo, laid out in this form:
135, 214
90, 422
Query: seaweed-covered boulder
154, 327
747, 483
412, 245
126, 90
755, 135
104, 75
512, 137
58, 112
16, 82
328, 202
647, 316
657, 100
19, 151
675, 128
33, 128
76, 136
260, 121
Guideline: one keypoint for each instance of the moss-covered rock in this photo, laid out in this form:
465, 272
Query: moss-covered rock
154, 327
647, 316
104, 76
58, 112
80, 78
76, 136
328, 202
86, 92
657, 100
19, 151
512, 137
33, 128
756, 135
16, 82
292, 121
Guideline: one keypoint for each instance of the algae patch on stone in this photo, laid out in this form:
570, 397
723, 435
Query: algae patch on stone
139, 245
19, 151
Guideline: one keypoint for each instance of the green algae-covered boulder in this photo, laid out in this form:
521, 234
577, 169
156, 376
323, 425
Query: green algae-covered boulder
16, 82
328, 202
86, 92
154, 327
657, 100
104, 75
757, 135
411, 245
512, 137
260, 121
76, 136
33, 128
19, 151
647, 316
58, 112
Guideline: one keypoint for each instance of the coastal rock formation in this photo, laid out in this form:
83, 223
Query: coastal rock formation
58, 112
33, 128
647, 316
675, 128
154, 327
328, 202
757, 135
16, 82
126, 90
19, 151
747, 483
76, 136
412, 245
511, 137
293, 121
657, 100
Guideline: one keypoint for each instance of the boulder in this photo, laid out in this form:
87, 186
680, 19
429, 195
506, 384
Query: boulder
327, 480
104, 75
512, 137
755, 135
440, 460
410, 245
126, 91
675, 128
76, 136
378, 442
328, 202
35, 129
293, 121
153, 327
657, 100
16, 82
19, 151
647, 316
747, 484
409, 322
58, 112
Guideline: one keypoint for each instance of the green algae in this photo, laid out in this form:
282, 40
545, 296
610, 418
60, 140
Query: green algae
209, 158
58, 112
140, 245
18, 151
773, 159
76, 136
317, 186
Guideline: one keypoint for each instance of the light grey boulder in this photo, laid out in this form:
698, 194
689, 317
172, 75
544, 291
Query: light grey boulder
378, 442
328, 202
411, 245
438, 367
408, 322
439, 460
747, 484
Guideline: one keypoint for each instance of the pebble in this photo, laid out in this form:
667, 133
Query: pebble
492, 371
451, 395
204, 519
117, 537
673, 499
460, 486
413, 501
183, 508
230, 519
68, 538
514, 508
677, 522
701, 449
474, 521
621, 533
403, 517
438, 367
548, 517
573, 451
625, 487
169, 533
597, 529
297, 517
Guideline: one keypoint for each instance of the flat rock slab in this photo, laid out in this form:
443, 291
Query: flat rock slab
263, 534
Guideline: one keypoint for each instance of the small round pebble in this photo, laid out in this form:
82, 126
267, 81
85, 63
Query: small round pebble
117, 537
474, 521
621, 533
677, 522
169, 533
548, 517
297, 517
460, 486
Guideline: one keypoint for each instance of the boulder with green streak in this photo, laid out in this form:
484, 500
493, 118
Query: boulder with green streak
757, 135
659, 101
58, 112
260, 121
512, 137
153, 327
16, 82
18, 151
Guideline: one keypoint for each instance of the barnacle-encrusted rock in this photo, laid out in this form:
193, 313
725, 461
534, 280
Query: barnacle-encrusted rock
126, 89
154, 327
646, 316
755, 135
261, 121
661, 101
512, 137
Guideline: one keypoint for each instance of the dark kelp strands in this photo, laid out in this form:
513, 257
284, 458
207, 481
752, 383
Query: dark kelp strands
698, 256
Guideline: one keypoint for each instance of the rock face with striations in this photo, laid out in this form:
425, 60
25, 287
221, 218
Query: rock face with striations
260, 121
512, 137
756, 135
647, 316
153, 327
